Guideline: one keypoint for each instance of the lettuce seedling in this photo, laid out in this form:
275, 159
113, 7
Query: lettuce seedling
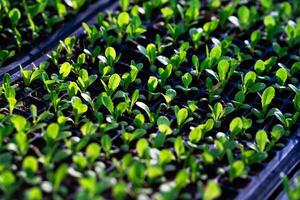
266, 99
92, 152
150, 53
211, 191
92, 32
68, 44
5, 55
218, 112
250, 85
198, 132
244, 17
113, 84
261, 139
271, 26
79, 108
287, 119
106, 143
142, 148
135, 28
181, 116
169, 96
236, 170
164, 74
15, 16
192, 12
293, 33
124, 4
176, 30
128, 78
30, 75
152, 85
10, 95
84, 80
7, 183
210, 27
281, 76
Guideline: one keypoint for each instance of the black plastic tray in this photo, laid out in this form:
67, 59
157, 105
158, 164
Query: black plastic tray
262, 186
44, 47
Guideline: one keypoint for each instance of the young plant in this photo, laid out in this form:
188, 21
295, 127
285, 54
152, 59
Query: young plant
15, 16
79, 108
68, 44
85, 80
181, 116
164, 74
266, 99
218, 112
152, 85
150, 53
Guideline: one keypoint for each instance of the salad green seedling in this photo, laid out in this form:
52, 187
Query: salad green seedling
266, 99
150, 53
79, 108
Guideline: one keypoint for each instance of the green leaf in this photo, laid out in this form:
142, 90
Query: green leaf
165, 156
170, 95
30, 164
113, 83
65, 69
216, 53
88, 128
249, 79
236, 126
244, 16
59, 176
211, 191
111, 55
124, 4
182, 178
297, 101
223, 68
236, 169
106, 143
15, 16
123, 19
151, 53
142, 147
196, 134
281, 76
136, 173
261, 139
187, 80
259, 66
152, 83
267, 97
181, 116
179, 146
52, 131
19, 122
108, 103
295, 67
93, 151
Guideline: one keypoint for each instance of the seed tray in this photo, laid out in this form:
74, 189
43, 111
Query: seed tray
282, 160
51, 42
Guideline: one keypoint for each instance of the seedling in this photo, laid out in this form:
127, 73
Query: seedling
266, 99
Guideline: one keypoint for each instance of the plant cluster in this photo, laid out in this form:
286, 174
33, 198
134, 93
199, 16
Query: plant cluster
159, 99
23, 23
